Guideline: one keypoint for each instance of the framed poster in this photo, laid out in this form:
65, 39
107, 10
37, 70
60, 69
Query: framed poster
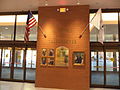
62, 56
78, 58
51, 52
44, 52
51, 61
43, 61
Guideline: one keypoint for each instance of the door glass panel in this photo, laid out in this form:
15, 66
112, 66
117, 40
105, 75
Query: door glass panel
94, 61
6, 62
30, 64
18, 63
112, 67
100, 61
97, 70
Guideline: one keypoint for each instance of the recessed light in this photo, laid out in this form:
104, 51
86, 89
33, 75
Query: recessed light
6, 27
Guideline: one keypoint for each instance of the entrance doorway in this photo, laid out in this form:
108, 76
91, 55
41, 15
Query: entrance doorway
17, 63
105, 68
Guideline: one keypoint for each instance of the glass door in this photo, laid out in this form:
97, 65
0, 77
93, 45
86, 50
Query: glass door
18, 63
30, 63
6, 63
97, 68
112, 67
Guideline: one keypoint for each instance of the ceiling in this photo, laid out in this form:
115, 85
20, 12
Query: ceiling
24, 5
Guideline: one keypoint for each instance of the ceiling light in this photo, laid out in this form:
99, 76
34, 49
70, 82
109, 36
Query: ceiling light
6, 27
46, 2
78, 2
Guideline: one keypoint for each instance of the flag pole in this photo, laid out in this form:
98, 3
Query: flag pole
42, 31
87, 26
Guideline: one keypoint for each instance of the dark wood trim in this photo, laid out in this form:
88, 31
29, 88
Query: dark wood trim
104, 50
97, 60
24, 63
36, 12
1, 62
105, 10
15, 80
119, 41
12, 64
90, 68
17, 13
15, 28
106, 44
119, 26
107, 86
7, 43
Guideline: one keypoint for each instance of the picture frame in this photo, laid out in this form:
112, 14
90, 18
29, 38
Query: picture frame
51, 61
51, 52
78, 58
44, 52
43, 61
62, 56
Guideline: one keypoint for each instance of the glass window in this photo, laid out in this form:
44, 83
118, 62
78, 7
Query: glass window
100, 61
93, 61
110, 22
30, 63
97, 67
112, 67
20, 29
18, 63
6, 62
31, 58
7, 27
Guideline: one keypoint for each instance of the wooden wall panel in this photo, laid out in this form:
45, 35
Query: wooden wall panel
63, 29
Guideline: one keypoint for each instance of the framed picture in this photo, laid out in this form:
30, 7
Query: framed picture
78, 58
51, 52
62, 56
44, 52
51, 62
43, 61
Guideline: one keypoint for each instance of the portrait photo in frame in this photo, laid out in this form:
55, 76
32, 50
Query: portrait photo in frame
44, 52
51, 52
43, 61
78, 58
51, 61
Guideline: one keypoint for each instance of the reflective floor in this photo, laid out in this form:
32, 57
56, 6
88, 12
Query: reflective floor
30, 86
18, 74
112, 78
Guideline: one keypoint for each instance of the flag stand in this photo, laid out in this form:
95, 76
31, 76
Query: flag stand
42, 31
86, 27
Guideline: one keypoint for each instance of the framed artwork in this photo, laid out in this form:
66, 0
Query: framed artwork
44, 52
51, 61
62, 56
43, 61
51, 52
78, 58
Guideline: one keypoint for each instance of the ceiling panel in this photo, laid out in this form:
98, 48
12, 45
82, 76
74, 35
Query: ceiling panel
24, 5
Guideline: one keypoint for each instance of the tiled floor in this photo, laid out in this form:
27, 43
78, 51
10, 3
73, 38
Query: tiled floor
30, 86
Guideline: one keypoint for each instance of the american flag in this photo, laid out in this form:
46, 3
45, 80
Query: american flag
31, 21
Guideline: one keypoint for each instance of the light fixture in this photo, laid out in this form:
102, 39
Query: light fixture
46, 2
6, 27
78, 2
